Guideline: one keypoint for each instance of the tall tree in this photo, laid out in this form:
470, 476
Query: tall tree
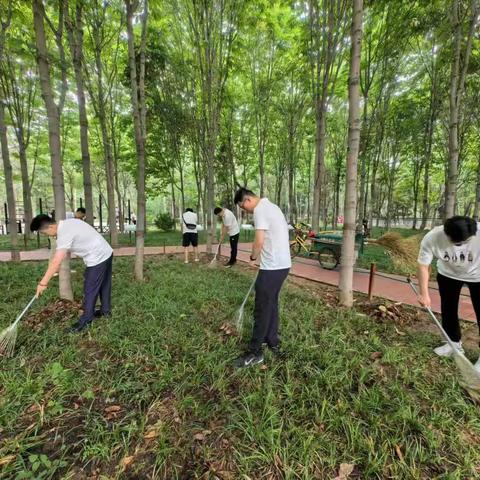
458, 75
354, 126
7, 166
326, 25
74, 26
137, 87
53, 115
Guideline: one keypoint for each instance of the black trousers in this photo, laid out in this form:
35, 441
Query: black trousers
97, 283
450, 295
266, 318
234, 248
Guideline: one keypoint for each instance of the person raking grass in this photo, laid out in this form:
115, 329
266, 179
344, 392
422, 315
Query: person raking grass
81, 239
272, 246
456, 246
230, 226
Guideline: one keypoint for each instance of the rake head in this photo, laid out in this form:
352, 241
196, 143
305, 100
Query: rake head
7, 340
213, 262
469, 376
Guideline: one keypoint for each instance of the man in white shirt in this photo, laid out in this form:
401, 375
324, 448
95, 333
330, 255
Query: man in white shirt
230, 226
456, 246
272, 245
190, 233
81, 239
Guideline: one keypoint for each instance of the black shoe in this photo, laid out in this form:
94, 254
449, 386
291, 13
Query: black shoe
78, 327
99, 313
248, 360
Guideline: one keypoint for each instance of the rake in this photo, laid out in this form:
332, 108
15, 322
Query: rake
214, 259
470, 377
239, 312
9, 336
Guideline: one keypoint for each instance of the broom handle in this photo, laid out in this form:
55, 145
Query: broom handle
439, 325
25, 310
249, 290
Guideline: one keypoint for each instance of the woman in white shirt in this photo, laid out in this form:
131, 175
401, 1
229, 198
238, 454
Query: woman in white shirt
456, 246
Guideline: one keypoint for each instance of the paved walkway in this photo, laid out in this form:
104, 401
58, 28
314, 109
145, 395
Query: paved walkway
391, 287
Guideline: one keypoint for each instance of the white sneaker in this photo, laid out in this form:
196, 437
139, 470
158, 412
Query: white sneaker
477, 365
446, 350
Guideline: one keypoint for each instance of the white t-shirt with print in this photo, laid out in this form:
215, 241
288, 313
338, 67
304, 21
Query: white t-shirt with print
82, 240
189, 217
230, 222
460, 262
276, 247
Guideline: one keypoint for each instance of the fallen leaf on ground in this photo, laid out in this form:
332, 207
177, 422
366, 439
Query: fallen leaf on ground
399, 452
376, 355
383, 308
399, 332
113, 408
7, 459
345, 471
151, 434
127, 461
199, 436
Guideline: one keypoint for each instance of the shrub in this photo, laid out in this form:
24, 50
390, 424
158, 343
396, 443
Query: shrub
165, 222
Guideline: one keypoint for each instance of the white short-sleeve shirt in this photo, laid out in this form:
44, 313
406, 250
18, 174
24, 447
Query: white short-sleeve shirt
230, 222
460, 262
81, 239
275, 253
189, 217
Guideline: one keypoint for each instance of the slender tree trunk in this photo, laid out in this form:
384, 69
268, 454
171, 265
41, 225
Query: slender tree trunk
139, 130
75, 40
348, 244
457, 85
476, 209
8, 171
26, 187
53, 135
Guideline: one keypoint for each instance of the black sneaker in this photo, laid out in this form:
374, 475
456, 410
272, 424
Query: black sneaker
78, 327
248, 360
99, 313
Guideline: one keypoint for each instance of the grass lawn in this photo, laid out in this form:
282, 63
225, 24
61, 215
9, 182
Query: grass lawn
150, 392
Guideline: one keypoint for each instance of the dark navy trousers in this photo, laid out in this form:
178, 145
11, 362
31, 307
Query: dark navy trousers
97, 283
266, 318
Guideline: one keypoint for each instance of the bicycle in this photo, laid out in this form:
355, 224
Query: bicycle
301, 239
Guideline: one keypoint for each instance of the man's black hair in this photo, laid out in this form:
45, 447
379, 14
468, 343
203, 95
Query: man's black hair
459, 229
40, 222
189, 210
81, 210
217, 210
241, 193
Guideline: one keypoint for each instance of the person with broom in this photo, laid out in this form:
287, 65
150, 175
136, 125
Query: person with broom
456, 246
81, 239
230, 226
272, 247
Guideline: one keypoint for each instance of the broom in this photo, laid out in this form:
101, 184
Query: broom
213, 263
239, 313
402, 251
470, 377
9, 336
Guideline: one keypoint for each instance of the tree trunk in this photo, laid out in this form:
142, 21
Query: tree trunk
26, 187
53, 135
476, 210
138, 129
348, 244
8, 171
75, 40
457, 85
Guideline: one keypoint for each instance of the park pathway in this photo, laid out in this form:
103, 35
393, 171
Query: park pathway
391, 287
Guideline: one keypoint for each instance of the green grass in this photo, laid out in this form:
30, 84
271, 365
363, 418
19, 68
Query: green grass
164, 366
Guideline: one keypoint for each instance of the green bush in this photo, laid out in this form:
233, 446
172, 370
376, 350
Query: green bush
165, 222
